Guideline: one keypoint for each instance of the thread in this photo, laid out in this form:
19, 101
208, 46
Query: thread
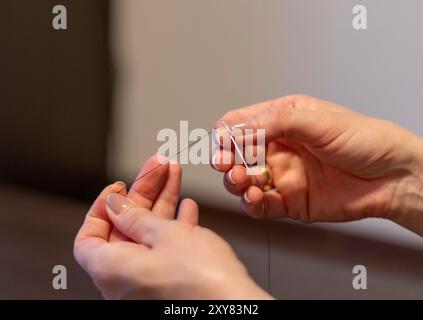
170, 158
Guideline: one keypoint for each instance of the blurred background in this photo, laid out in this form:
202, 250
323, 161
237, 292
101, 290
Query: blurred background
82, 107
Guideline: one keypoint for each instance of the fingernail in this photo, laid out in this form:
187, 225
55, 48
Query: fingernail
230, 179
117, 203
218, 135
122, 186
121, 183
214, 161
246, 198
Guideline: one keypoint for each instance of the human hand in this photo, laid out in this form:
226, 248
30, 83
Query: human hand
133, 248
329, 163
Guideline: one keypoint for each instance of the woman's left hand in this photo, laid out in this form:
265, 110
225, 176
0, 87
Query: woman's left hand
133, 247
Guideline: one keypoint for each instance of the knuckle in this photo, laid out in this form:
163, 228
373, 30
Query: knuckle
300, 102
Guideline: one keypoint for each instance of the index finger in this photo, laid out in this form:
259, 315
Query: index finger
294, 115
150, 181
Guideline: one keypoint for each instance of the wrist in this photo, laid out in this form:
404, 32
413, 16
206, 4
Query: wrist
232, 285
408, 210
243, 288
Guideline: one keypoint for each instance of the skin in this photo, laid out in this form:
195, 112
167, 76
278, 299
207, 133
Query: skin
134, 247
327, 163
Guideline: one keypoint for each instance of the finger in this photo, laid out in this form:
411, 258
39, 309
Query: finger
274, 205
188, 211
259, 204
167, 200
96, 227
293, 184
295, 117
252, 202
237, 180
253, 154
115, 234
240, 116
150, 181
137, 223
222, 160
246, 117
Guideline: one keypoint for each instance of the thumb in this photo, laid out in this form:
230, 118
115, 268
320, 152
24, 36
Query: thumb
301, 118
137, 223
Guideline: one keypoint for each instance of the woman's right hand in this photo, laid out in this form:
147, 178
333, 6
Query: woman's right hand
329, 163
